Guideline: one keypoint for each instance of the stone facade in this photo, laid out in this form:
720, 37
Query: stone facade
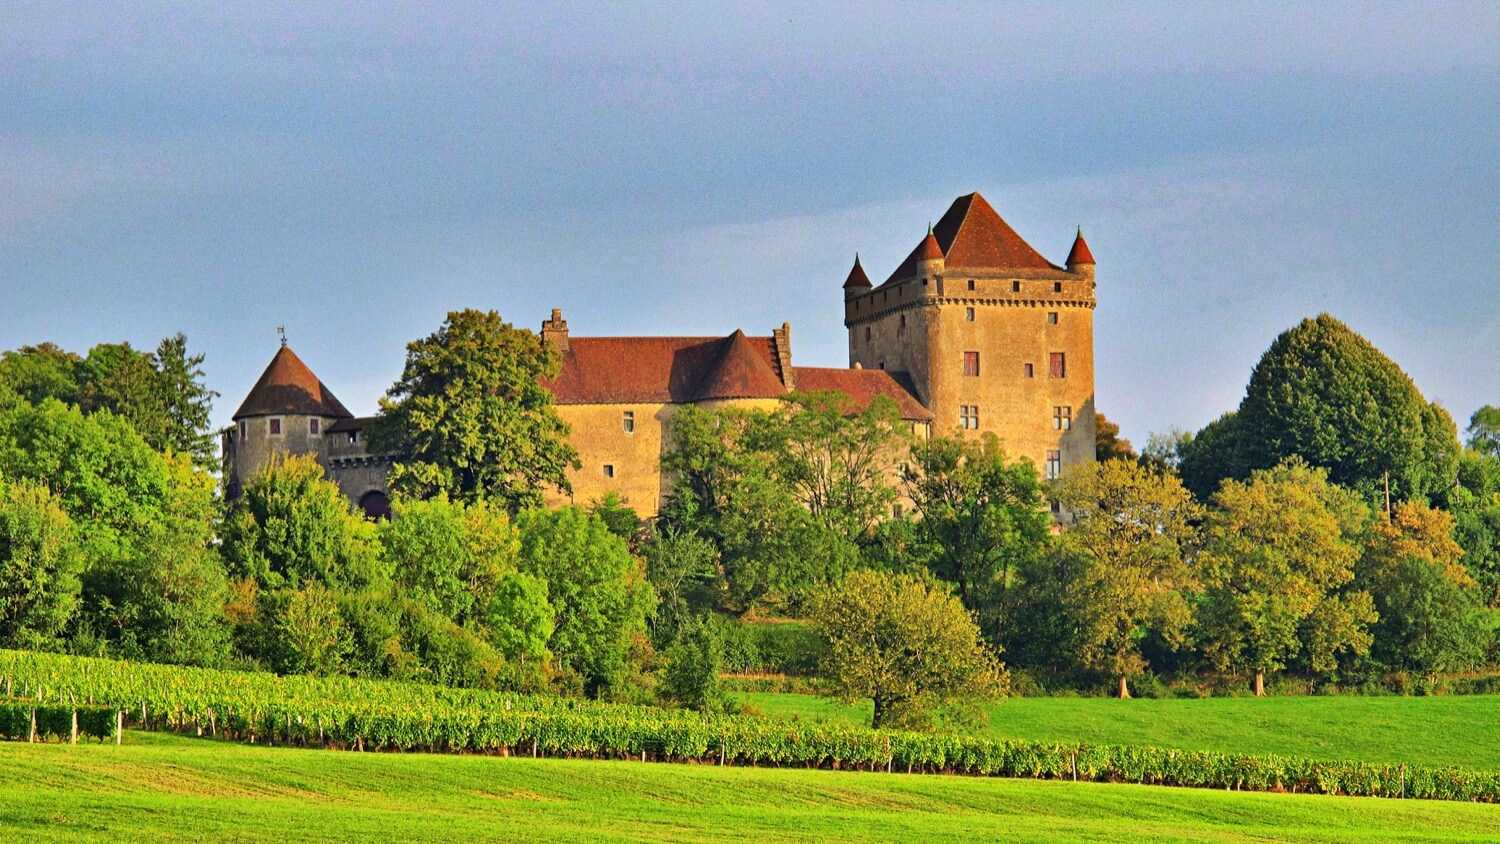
975, 332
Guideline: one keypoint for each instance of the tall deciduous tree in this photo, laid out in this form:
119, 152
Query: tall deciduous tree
1108, 444
980, 516
1132, 528
39, 566
1277, 555
469, 416
1484, 431
1324, 393
904, 642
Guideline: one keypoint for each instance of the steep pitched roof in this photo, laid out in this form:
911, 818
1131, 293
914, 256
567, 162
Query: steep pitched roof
1080, 253
289, 387
626, 370
857, 277
862, 386
972, 236
740, 373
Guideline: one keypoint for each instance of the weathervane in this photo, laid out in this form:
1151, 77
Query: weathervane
281, 329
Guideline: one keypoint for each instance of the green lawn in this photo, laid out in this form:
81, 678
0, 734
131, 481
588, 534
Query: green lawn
1456, 730
167, 788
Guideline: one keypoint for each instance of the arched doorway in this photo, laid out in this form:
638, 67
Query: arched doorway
375, 504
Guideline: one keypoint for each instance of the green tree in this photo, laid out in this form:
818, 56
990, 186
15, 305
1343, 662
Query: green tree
1324, 393
1431, 617
1132, 529
1275, 561
1206, 458
292, 526
621, 519
304, 631
470, 416
153, 586
690, 674
980, 516
1484, 431
599, 595
37, 373
1108, 444
681, 567
39, 566
904, 642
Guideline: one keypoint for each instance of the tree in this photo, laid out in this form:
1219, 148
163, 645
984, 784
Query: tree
39, 566
681, 566
37, 373
906, 643
1132, 528
1206, 458
1108, 444
980, 516
304, 631
470, 416
594, 586
1324, 393
185, 403
1484, 431
1275, 560
1431, 617
690, 674
153, 586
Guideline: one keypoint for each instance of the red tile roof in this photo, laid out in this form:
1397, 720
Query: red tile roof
625, 370
857, 277
928, 249
972, 236
289, 387
862, 386
1080, 253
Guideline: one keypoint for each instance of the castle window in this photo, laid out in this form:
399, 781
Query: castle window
1052, 317
1062, 418
968, 417
244, 428
867, 334
628, 421
971, 284
314, 426
882, 365
1054, 465
275, 427
1056, 507
903, 320
1059, 365
1015, 287
971, 364
1056, 287
609, 470
895, 511
969, 314
353, 437
1030, 371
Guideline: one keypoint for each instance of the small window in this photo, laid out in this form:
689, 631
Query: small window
903, 320
1059, 365
609, 470
895, 511
1054, 465
867, 334
1052, 317
968, 417
924, 282
1056, 508
1030, 371
353, 437
971, 364
244, 429
315, 426
628, 421
275, 427
882, 364
969, 314
1062, 418
1015, 287
1056, 287
971, 284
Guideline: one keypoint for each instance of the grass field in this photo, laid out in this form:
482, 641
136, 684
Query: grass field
1456, 730
168, 788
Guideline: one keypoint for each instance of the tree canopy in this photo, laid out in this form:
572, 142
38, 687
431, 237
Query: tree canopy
469, 416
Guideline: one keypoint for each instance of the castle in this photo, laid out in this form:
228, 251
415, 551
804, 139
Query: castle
975, 332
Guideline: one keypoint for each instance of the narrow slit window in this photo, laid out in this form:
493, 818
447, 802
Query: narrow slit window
1030, 371
315, 426
969, 314
971, 284
1015, 287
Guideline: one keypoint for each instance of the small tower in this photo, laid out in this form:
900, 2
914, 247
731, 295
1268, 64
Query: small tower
555, 331
1080, 259
857, 282
929, 256
288, 411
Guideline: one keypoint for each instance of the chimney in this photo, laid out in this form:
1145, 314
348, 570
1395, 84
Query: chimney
555, 331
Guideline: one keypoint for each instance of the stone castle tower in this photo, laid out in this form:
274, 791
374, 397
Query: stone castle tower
989, 335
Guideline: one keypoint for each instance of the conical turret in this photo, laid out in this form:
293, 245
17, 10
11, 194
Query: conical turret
1080, 259
857, 282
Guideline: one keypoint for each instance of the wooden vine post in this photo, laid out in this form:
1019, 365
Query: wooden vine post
73, 734
119, 725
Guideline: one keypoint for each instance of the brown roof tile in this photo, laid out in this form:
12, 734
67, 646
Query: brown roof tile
857, 277
862, 386
288, 386
625, 370
740, 373
1080, 253
972, 236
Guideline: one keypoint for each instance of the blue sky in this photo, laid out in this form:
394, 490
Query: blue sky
356, 170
